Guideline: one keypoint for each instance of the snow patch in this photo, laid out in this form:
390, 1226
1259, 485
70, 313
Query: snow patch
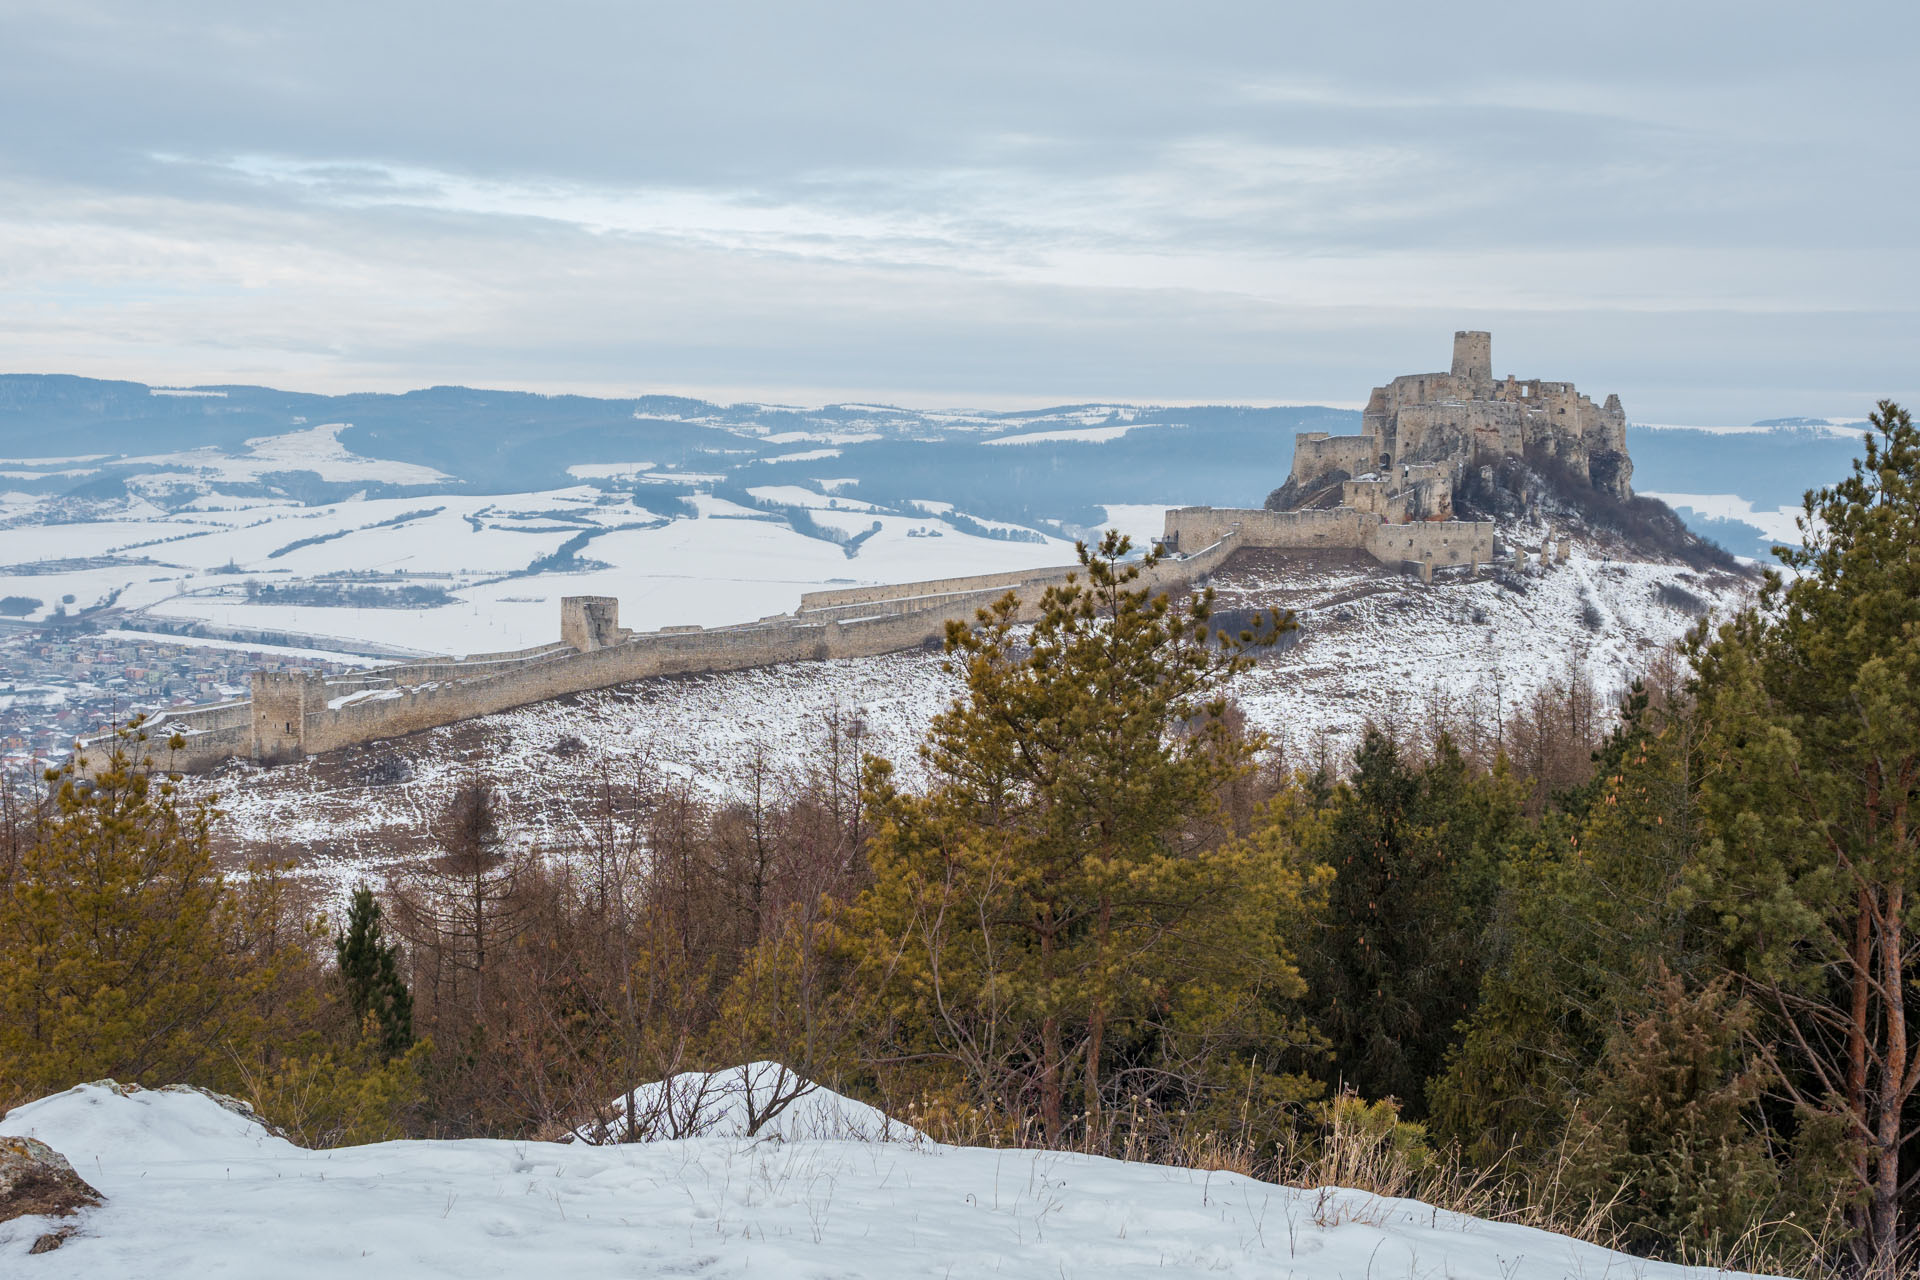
756, 1100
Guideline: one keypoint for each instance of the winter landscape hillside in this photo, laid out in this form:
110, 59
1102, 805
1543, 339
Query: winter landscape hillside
214, 530
807, 641
1373, 647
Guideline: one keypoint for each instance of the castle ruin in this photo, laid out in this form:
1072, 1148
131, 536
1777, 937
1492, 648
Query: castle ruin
1387, 491
1422, 431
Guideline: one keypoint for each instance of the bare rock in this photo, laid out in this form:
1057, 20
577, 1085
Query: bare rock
37, 1181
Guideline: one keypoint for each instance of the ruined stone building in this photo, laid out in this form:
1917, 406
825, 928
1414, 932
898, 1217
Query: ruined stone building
1422, 431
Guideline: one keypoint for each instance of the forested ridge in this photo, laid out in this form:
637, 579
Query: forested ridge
1641, 978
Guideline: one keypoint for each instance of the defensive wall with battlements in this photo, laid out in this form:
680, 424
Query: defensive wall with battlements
294, 714
298, 713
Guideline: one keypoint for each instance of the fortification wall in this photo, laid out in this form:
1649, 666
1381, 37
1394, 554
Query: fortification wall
223, 715
295, 713
428, 706
1204, 526
211, 734
885, 593
1315, 454
395, 711
1449, 542
449, 668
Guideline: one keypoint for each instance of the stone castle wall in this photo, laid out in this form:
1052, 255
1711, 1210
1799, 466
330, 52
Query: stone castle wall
1442, 542
301, 713
1315, 453
1299, 530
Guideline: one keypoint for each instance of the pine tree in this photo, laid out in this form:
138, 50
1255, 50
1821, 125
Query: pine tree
1064, 907
123, 950
369, 969
1814, 863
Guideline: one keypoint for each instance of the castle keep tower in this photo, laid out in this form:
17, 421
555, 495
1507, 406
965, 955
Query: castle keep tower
1473, 358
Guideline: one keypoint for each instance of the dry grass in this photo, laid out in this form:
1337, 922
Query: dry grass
1362, 1163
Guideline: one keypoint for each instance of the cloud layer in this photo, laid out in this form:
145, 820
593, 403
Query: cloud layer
1704, 206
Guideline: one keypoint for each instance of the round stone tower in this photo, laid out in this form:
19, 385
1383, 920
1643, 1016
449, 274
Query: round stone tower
1473, 359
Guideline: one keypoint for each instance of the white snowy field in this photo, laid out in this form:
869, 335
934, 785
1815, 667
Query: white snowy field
194, 1190
729, 564
1780, 524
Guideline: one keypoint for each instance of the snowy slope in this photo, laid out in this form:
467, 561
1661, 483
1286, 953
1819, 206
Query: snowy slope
196, 1191
1374, 645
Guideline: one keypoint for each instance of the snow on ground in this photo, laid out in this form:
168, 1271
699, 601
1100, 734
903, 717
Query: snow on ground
793, 495
732, 564
1374, 646
317, 449
608, 470
754, 1100
1083, 435
1386, 649
195, 1190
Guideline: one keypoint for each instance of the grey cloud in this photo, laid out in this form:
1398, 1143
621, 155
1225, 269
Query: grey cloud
1205, 201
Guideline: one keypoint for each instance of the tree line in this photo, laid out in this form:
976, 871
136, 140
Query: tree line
1642, 977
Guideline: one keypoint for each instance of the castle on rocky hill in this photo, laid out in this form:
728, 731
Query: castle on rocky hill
1387, 492
1422, 431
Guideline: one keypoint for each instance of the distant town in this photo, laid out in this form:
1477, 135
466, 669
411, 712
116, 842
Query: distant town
59, 682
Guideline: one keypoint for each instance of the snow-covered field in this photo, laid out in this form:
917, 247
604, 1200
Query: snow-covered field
1780, 524
730, 564
195, 1190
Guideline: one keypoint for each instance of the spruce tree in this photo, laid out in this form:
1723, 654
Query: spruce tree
370, 972
1588, 909
1415, 853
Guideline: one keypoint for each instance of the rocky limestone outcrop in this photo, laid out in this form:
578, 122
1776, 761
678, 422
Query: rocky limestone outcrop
37, 1181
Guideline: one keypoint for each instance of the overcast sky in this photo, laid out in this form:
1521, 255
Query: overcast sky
1706, 207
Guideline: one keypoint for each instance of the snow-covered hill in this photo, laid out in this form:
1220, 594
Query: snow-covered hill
195, 1190
1374, 645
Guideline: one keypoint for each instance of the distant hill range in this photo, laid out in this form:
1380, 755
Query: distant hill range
1053, 468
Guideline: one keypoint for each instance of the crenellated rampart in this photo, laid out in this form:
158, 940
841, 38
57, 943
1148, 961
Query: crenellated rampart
292, 714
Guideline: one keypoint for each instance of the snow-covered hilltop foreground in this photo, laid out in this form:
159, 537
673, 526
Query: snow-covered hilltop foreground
195, 1190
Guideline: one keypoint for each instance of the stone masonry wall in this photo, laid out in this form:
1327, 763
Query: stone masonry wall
296, 713
398, 710
1315, 454
1203, 526
1449, 542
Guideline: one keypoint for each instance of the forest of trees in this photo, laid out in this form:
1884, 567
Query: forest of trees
1640, 977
